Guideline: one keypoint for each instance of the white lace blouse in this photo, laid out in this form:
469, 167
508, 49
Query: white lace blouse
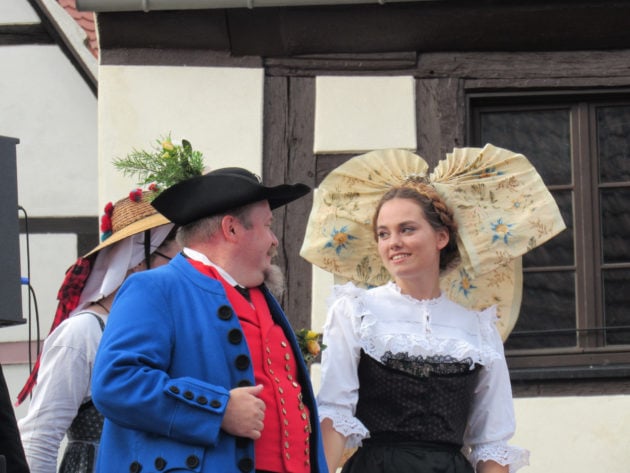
383, 320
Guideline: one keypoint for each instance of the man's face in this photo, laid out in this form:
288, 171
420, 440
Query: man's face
259, 243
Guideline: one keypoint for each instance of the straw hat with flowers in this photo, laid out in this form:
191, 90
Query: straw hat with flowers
167, 164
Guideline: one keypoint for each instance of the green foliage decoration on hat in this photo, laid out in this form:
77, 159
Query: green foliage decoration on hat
167, 164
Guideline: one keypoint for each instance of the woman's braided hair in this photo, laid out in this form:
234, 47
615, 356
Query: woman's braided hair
435, 211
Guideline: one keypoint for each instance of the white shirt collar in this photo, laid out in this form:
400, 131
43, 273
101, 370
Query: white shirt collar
195, 255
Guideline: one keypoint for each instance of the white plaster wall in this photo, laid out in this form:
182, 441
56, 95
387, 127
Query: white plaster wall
364, 113
219, 110
575, 434
17, 11
49, 108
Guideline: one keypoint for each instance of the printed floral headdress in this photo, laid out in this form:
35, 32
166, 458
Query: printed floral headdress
499, 201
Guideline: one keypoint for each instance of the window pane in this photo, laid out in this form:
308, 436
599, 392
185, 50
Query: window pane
615, 215
541, 135
548, 305
613, 141
559, 250
617, 306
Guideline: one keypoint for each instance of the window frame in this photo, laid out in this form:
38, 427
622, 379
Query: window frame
588, 358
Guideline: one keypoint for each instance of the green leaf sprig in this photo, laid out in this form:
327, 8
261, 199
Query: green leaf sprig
165, 165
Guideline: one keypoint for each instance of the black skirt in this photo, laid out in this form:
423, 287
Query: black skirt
407, 457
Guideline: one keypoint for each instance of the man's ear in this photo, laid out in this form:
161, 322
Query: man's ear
228, 226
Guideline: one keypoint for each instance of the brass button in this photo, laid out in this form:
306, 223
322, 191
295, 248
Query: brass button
135, 467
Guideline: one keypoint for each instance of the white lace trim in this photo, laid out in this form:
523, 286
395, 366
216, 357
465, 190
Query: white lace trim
501, 453
420, 342
347, 425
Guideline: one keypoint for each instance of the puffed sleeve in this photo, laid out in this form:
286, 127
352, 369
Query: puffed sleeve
492, 422
339, 392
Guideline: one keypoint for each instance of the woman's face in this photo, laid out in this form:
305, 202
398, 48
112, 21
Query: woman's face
407, 244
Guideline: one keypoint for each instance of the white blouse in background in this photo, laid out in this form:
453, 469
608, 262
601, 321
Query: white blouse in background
63, 384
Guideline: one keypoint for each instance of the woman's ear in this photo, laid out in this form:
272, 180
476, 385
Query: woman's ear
443, 237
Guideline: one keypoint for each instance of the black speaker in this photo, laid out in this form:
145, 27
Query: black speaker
10, 277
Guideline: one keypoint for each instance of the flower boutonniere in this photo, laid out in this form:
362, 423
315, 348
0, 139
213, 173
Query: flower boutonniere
310, 344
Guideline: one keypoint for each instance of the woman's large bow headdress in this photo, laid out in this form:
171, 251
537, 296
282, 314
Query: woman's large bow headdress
499, 201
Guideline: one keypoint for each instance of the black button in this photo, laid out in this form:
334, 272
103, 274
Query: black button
188, 395
242, 362
235, 336
242, 442
202, 400
215, 403
243, 383
225, 312
174, 389
192, 461
135, 467
245, 464
160, 463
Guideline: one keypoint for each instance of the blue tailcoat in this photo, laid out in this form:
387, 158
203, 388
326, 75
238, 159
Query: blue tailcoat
163, 372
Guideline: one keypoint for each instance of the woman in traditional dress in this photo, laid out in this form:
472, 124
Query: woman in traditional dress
136, 238
414, 372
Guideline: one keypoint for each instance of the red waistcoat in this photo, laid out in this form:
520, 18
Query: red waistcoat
284, 444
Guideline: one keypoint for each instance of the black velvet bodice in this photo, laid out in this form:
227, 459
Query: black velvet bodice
405, 399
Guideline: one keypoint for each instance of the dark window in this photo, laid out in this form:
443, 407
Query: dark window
576, 291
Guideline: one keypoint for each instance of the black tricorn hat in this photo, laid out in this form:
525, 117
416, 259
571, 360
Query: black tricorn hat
220, 191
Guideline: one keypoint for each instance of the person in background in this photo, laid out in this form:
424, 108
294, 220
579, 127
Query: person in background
12, 459
199, 369
136, 238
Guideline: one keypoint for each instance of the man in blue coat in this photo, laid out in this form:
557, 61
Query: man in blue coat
199, 369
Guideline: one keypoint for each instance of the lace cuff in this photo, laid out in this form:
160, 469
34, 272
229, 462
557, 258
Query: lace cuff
501, 453
347, 425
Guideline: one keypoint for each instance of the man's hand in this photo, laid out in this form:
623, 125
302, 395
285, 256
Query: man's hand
245, 413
